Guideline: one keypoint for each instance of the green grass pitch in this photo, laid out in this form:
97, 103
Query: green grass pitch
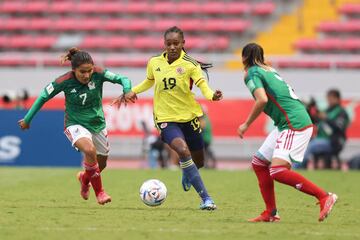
43, 203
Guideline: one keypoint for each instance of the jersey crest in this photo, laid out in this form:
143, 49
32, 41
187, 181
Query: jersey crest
91, 85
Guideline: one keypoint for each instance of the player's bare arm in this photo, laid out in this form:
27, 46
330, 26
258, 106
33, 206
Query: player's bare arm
260, 102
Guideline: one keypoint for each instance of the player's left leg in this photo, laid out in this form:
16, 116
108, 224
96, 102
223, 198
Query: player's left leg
293, 150
102, 146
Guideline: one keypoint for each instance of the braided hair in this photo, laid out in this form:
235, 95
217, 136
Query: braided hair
76, 57
175, 29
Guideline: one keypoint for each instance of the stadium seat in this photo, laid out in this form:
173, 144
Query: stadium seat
125, 62
40, 24
329, 44
237, 8
264, 8
355, 64
350, 9
11, 6
35, 7
188, 7
303, 64
44, 42
148, 42
352, 26
13, 24
164, 7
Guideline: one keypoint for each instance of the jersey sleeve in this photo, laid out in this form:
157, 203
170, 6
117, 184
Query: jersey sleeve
149, 71
253, 82
119, 79
46, 94
197, 75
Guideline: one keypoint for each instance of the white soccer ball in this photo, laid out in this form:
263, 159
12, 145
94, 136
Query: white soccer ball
153, 192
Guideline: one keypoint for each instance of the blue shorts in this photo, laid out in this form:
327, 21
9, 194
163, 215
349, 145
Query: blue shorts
189, 131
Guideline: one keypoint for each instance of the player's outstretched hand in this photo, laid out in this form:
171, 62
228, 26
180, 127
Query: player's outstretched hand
217, 95
242, 129
124, 98
23, 125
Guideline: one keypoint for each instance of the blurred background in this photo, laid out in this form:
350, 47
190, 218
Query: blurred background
314, 44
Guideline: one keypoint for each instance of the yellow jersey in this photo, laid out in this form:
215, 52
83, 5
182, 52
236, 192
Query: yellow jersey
173, 99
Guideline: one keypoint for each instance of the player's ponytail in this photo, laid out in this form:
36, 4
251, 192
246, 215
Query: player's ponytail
253, 54
76, 57
204, 66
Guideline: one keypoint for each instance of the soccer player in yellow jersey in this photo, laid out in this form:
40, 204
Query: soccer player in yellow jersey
176, 111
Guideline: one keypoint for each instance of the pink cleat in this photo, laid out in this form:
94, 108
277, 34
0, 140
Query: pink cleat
266, 216
326, 205
103, 198
85, 188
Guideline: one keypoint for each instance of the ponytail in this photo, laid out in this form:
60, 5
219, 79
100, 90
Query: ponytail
76, 57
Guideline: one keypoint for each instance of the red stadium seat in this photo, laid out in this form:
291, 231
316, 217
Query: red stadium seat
62, 7
12, 24
191, 24
119, 42
188, 7
349, 26
40, 24
21, 41
11, 7
350, 9
214, 8
66, 24
231, 25
146, 42
44, 42
88, 24
138, 7
163, 24
355, 64
125, 62
303, 64
237, 8
164, 7
329, 44
34, 7
4, 41
265, 8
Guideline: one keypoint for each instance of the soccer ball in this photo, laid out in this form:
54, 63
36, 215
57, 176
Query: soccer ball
153, 192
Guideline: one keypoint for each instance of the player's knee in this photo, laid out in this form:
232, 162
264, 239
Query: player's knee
183, 151
90, 151
259, 160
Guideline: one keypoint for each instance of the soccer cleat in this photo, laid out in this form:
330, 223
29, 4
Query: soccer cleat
266, 216
326, 205
185, 183
85, 189
103, 198
208, 204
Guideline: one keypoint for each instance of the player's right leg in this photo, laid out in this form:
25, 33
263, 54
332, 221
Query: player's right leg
81, 138
261, 165
172, 135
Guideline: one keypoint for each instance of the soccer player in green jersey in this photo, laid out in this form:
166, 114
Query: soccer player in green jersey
286, 143
84, 117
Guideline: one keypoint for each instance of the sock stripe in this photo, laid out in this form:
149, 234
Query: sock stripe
257, 161
91, 167
275, 170
186, 164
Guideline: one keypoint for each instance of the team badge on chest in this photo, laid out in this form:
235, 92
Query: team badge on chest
91, 85
180, 70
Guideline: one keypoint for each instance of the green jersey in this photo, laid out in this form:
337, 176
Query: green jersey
83, 102
283, 106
